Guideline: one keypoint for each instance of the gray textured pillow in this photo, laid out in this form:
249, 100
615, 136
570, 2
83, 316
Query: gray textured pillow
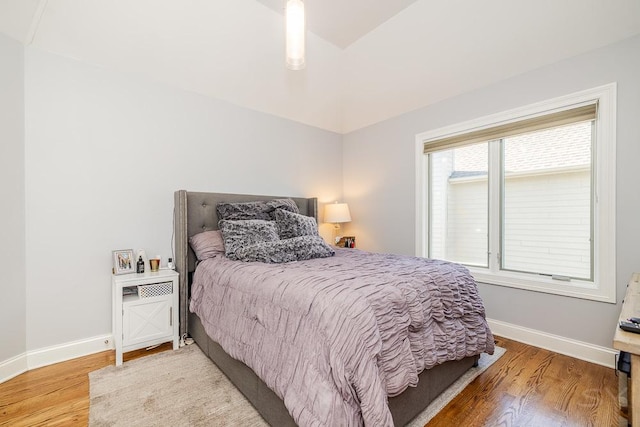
286, 204
295, 225
237, 234
243, 211
294, 249
207, 244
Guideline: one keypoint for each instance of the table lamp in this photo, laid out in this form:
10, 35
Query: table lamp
337, 213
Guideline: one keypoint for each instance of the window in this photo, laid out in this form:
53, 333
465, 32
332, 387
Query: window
459, 205
525, 198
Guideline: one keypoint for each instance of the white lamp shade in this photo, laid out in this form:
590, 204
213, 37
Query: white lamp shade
337, 212
295, 34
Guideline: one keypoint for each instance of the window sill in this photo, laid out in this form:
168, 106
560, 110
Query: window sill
575, 288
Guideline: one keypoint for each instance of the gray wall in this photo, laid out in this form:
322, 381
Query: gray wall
12, 194
379, 182
104, 153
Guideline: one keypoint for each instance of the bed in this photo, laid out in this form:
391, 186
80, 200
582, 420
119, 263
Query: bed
195, 213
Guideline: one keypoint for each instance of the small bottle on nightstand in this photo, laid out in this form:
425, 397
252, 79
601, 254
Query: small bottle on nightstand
140, 266
170, 265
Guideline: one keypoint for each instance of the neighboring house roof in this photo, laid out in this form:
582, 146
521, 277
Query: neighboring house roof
562, 147
467, 174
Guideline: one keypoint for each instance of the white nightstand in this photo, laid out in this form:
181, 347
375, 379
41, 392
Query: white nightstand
145, 310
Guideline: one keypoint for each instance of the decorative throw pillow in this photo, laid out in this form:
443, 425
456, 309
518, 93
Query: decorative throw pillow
308, 247
286, 204
207, 244
295, 225
270, 252
243, 211
237, 234
294, 249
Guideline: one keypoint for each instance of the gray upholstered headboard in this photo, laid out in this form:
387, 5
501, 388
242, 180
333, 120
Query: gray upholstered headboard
196, 212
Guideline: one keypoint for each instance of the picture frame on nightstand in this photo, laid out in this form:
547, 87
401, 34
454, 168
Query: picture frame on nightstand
347, 242
123, 261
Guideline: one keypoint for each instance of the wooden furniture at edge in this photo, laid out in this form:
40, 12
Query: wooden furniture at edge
630, 342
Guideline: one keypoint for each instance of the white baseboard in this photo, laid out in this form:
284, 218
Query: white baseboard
580, 350
13, 367
54, 354
71, 350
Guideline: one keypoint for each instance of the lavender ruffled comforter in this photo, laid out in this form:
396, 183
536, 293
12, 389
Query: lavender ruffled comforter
333, 337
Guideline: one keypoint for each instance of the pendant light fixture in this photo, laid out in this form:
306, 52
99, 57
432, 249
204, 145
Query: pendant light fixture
295, 34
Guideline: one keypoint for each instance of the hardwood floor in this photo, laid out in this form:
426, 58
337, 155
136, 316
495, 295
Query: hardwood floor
56, 395
527, 386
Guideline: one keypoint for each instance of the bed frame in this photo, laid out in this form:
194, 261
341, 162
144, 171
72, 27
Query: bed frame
195, 212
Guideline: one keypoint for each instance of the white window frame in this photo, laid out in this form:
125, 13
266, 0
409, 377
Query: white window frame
603, 287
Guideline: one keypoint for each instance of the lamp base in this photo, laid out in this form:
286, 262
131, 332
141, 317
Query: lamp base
336, 233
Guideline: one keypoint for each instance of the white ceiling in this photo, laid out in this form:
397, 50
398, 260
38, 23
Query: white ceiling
342, 22
367, 60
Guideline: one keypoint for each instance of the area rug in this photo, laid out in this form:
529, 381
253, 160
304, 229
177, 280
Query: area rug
184, 388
